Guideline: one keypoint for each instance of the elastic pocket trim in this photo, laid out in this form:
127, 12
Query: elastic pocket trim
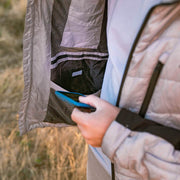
150, 89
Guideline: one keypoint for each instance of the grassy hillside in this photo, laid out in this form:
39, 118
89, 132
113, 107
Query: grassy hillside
50, 153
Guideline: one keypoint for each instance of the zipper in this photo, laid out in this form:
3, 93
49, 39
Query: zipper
150, 89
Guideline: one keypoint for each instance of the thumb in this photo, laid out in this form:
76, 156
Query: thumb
92, 100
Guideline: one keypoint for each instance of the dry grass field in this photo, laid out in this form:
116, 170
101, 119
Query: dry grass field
47, 154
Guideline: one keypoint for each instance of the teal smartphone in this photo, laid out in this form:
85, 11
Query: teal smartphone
73, 99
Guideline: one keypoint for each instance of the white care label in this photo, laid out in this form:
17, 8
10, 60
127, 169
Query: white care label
77, 73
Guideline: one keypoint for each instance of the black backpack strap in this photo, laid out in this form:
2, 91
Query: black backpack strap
135, 122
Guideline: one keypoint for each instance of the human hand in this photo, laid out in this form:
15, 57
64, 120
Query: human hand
94, 125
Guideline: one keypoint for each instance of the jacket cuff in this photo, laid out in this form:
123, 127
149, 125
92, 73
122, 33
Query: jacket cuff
114, 136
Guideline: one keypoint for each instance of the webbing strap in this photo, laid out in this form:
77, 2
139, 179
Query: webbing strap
112, 171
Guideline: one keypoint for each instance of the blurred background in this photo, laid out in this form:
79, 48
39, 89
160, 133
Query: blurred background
49, 153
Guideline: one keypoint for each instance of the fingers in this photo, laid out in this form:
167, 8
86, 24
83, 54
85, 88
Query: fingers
78, 116
88, 137
91, 100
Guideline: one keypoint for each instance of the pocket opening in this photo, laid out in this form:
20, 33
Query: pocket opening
151, 87
82, 76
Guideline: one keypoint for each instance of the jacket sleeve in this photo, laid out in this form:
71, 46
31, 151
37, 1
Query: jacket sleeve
142, 149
